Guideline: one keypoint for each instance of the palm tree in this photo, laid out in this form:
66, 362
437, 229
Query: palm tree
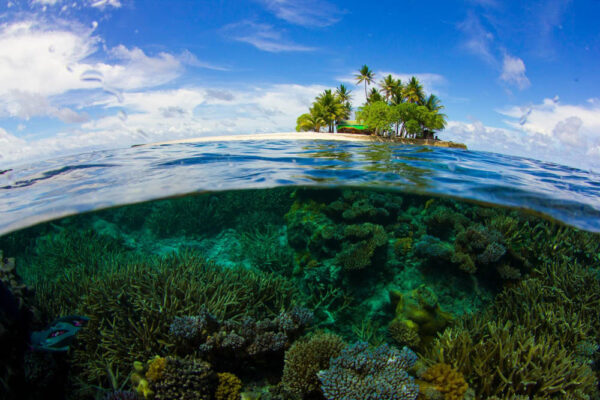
374, 96
343, 93
310, 122
344, 96
398, 93
413, 91
388, 85
433, 103
331, 108
364, 75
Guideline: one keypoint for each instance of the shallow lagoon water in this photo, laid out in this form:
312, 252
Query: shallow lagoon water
272, 266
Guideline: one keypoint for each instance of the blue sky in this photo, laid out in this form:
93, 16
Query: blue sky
515, 77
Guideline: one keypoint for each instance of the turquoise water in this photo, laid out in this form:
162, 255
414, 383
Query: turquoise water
299, 270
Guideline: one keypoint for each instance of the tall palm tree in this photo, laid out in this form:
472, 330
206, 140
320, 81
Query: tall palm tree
433, 103
413, 91
331, 108
388, 85
344, 96
374, 96
343, 93
364, 75
398, 93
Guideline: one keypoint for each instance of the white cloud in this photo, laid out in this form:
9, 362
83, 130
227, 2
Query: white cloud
478, 40
155, 115
309, 13
46, 2
105, 3
40, 65
262, 36
565, 134
513, 72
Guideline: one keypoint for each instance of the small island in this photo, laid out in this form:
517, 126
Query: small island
397, 111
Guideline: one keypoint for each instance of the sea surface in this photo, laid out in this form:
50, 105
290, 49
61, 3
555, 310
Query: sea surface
290, 270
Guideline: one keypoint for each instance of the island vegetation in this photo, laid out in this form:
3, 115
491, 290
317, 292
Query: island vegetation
395, 109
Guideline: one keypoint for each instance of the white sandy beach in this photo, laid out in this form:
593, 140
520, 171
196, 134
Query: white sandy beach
276, 136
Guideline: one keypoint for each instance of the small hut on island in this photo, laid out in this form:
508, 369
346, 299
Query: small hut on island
352, 126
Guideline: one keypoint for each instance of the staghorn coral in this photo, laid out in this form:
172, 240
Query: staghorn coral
377, 374
229, 387
132, 306
501, 359
306, 358
445, 380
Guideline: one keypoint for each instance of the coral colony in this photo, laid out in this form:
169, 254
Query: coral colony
300, 293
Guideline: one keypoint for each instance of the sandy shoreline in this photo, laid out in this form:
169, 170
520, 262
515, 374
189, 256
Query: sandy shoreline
275, 136
349, 137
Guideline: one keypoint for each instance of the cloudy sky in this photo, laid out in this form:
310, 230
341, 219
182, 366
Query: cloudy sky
519, 78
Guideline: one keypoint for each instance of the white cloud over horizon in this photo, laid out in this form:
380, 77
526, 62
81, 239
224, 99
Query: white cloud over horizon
561, 133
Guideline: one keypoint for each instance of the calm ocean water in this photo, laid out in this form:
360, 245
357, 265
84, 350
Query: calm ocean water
342, 271
49, 189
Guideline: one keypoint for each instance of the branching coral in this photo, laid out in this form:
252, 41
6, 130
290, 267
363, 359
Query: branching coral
229, 344
370, 374
506, 360
132, 306
306, 358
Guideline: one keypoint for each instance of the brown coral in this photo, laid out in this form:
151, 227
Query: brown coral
229, 387
306, 358
156, 368
404, 333
446, 380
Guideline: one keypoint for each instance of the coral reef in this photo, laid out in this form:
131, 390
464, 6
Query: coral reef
229, 387
404, 333
235, 345
132, 306
446, 380
419, 310
186, 380
377, 374
306, 358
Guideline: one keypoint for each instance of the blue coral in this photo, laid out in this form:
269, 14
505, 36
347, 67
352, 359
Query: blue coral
370, 374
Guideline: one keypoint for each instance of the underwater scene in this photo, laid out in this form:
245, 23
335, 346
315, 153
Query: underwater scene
300, 292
